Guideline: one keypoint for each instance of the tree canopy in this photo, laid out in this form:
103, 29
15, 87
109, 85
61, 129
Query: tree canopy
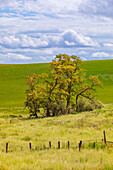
58, 92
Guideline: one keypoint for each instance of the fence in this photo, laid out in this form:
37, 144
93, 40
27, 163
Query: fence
79, 146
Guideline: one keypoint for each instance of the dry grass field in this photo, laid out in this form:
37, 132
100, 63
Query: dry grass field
18, 131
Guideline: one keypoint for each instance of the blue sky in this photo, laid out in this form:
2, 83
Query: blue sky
33, 31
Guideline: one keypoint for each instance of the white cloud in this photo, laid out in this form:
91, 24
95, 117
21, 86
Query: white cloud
51, 7
38, 28
40, 6
69, 43
22, 41
33, 51
10, 41
100, 55
27, 41
46, 58
40, 21
83, 52
73, 38
66, 39
102, 7
108, 44
11, 4
13, 56
83, 58
48, 50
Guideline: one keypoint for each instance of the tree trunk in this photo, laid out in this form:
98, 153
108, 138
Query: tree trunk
68, 104
35, 115
53, 111
68, 99
48, 111
77, 103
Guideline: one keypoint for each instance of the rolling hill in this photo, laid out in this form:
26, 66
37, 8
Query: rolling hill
13, 83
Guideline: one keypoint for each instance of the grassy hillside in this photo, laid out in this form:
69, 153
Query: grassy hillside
104, 70
18, 131
13, 84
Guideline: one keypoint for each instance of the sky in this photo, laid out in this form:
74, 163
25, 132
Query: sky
35, 31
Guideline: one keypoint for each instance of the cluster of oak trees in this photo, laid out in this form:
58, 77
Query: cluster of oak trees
58, 92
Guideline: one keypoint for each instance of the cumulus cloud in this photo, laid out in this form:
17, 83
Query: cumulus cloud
66, 39
100, 55
14, 57
108, 44
75, 39
33, 42
83, 52
69, 43
22, 41
83, 58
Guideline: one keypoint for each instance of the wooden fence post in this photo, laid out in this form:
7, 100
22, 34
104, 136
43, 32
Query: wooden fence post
50, 144
80, 144
6, 147
104, 137
30, 146
94, 145
68, 145
58, 144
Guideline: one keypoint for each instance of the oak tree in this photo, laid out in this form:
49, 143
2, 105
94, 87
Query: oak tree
57, 91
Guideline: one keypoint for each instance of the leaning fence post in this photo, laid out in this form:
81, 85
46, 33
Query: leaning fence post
80, 144
30, 146
6, 147
104, 137
58, 144
50, 144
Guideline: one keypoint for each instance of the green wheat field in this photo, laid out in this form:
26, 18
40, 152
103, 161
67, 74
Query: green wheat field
18, 130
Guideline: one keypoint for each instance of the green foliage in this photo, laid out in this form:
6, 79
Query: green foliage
26, 138
98, 145
55, 92
88, 105
87, 91
41, 147
32, 101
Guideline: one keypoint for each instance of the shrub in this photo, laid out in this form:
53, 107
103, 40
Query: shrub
90, 145
58, 108
88, 105
41, 147
26, 138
